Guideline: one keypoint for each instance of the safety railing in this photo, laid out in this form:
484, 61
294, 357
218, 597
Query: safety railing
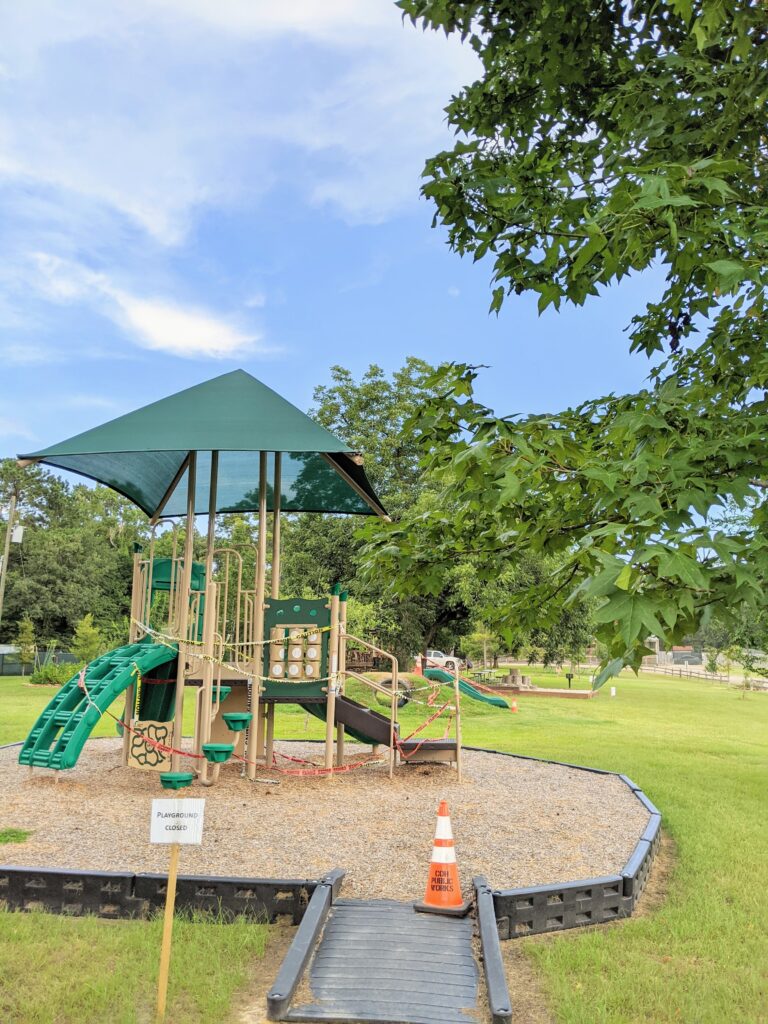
393, 695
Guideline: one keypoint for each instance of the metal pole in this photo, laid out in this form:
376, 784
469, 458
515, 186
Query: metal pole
253, 747
333, 670
276, 500
7, 548
342, 670
137, 591
214, 482
457, 698
204, 708
186, 582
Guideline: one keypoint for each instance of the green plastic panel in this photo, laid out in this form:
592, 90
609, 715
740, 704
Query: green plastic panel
161, 574
286, 614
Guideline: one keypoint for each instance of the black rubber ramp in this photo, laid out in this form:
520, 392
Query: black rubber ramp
379, 960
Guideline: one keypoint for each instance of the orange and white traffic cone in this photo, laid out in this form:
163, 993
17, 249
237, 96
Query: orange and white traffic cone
443, 895
513, 706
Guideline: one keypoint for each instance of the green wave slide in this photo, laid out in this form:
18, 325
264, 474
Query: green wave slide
441, 676
59, 734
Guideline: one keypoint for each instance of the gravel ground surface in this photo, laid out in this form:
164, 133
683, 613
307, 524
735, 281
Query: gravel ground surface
518, 822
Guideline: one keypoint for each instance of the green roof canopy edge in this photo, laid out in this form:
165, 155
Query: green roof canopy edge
139, 454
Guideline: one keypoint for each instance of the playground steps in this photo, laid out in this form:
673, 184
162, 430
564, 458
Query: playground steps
58, 736
379, 961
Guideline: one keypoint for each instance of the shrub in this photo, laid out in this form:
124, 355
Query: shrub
54, 675
87, 643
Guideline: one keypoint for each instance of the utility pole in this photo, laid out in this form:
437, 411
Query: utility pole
7, 548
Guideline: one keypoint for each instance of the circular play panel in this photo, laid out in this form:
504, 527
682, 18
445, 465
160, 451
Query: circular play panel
519, 822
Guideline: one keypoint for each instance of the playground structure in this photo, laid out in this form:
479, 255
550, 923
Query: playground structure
206, 625
222, 634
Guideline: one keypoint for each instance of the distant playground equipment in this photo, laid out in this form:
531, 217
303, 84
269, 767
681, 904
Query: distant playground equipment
231, 445
470, 689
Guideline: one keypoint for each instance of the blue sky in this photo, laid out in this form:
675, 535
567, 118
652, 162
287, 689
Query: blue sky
191, 186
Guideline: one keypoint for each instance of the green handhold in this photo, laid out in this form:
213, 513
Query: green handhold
176, 780
224, 693
218, 753
237, 721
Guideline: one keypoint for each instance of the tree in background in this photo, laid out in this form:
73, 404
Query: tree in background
87, 643
601, 139
369, 415
76, 556
26, 644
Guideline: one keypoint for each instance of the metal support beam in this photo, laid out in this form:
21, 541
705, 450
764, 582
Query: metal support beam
276, 500
252, 742
185, 586
7, 549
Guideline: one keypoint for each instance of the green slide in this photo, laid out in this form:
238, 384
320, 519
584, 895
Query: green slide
439, 675
60, 732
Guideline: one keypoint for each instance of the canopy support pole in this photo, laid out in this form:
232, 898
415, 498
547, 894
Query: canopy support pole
185, 587
203, 727
254, 748
276, 499
342, 670
171, 488
269, 738
333, 679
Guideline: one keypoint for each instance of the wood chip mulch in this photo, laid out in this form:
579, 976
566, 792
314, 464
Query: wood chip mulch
518, 822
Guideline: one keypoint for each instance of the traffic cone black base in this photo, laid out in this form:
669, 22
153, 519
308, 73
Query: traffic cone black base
460, 911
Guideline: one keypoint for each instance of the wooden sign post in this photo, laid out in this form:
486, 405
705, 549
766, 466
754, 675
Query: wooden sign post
176, 823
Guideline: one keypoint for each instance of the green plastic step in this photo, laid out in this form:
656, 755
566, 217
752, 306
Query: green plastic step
176, 780
218, 753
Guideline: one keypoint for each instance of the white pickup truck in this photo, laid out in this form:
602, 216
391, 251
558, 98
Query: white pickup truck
436, 659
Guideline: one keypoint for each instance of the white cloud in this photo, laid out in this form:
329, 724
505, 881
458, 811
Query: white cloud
15, 428
154, 323
191, 333
28, 354
124, 123
453, 291
157, 108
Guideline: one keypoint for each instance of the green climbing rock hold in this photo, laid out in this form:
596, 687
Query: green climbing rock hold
224, 691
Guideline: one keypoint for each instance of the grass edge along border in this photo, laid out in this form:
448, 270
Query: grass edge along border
533, 910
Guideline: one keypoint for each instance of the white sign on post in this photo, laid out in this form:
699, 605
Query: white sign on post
177, 821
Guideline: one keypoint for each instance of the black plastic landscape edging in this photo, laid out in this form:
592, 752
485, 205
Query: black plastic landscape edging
296, 959
550, 908
526, 911
115, 894
493, 966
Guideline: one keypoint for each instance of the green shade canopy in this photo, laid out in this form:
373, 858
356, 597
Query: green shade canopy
141, 454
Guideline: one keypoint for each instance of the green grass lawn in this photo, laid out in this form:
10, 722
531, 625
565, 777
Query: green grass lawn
88, 971
698, 750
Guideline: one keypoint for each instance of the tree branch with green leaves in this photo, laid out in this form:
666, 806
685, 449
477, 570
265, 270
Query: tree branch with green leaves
600, 140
